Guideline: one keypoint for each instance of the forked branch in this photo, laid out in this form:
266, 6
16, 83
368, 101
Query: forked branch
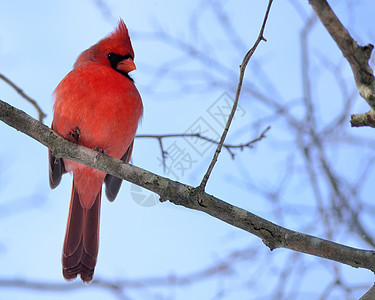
357, 56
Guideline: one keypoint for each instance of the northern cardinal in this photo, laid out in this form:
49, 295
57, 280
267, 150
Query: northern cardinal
98, 106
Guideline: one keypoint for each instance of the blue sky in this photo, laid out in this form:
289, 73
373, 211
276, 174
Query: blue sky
39, 42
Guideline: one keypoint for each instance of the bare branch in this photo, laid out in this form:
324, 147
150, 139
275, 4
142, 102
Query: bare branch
357, 56
42, 115
241, 146
222, 267
105, 10
245, 61
272, 235
367, 119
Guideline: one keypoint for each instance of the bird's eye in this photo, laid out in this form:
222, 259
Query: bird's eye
111, 56
113, 59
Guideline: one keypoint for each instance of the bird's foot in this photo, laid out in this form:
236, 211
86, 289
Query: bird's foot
75, 133
100, 151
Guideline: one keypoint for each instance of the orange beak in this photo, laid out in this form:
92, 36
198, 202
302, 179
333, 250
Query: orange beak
126, 65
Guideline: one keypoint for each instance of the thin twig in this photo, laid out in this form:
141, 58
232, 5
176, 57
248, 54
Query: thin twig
221, 267
42, 115
245, 61
163, 153
159, 137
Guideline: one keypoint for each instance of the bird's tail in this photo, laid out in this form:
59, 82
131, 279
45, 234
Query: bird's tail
81, 239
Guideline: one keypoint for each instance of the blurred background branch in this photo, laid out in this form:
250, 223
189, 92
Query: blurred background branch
41, 114
314, 173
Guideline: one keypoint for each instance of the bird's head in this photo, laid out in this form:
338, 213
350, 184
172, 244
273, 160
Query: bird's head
114, 51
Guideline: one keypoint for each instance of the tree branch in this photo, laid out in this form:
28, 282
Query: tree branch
223, 267
272, 235
245, 61
366, 119
357, 56
228, 147
42, 115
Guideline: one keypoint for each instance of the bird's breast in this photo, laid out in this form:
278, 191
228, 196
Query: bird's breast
102, 104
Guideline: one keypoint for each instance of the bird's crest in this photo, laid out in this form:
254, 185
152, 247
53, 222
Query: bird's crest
120, 38
117, 41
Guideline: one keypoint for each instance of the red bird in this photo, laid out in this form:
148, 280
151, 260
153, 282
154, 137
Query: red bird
98, 106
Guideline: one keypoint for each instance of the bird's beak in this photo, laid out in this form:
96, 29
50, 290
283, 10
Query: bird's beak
127, 65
